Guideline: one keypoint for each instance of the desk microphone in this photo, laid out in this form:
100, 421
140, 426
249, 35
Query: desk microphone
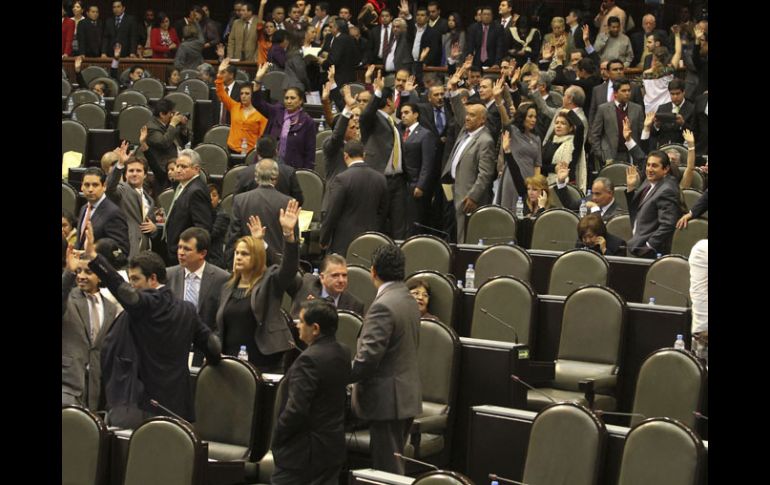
672, 290
443, 233
506, 239
167, 410
501, 322
492, 476
600, 413
355, 255
517, 379
699, 415
405, 458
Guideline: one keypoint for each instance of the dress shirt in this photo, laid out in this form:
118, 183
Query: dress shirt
416, 46
382, 287
461, 149
95, 303
390, 61
325, 294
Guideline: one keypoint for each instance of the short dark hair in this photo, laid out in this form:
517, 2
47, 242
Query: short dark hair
134, 68
323, 6
475, 68
248, 5
70, 217
323, 313
163, 105
388, 261
149, 263
592, 222
231, 69
676, 84
434, 3
418, 282
95, 171
109, 248
266, 147
662, 156
342, 25
201, 235
588, 65
354, 148
279, 36
413, 107
613, 20
105, 87
616, 85
135, 159
577, 13
615, 61
333, 258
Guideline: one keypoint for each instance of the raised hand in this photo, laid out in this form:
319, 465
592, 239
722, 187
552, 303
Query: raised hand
498, 88
649, 118
255, 227
410, 84
632, 178
455, 51
369, 72
73, 258
350, 101
379, 82
586, 34
331, 72
675, 29
220, 50
122, 152
689, 138
542, 199
516, 75
78, 63
506, 143
116, 51
288, 219
223, 65
626, 129
262, 71
326, 91
468, 62
548, 50
90, 246
403, 8
562, 172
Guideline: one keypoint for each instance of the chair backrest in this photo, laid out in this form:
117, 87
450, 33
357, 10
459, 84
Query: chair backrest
217, 135
226, 402
361, 248
113, 88
348, 327
183, 103
591, 336
196, 88
82, 96
66, 87
620, 225
355, 88
85, 446
576, 268
360, 284
671, 384
443, 295
273, 81
242, 76
620, 197
69, 198
165, 198
492, 224
510, 300
151, 87
426, 252
442, 477
227, 204
320, 163
230, 180
214, 158
312, 186
320, 137
164, 451
672, 271
685, 239
698, 181
131, 120
661, 451
130, 97
679, 148
439, 362
92, 72
555, 229
502, 260
251, 157
691, 196
186, 74
616, 172
63, 73
91, 114
566, 445
573, 193
74, 137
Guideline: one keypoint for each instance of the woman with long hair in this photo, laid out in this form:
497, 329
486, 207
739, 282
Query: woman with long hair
164, 40
453, 42
560, 147
78, 8
246, 122
526, 148
537, 198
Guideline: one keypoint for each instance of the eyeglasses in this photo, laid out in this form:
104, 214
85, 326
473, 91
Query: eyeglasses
419, 293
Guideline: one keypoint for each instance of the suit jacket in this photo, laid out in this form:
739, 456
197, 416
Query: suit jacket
67, 34
441, 25
213, 281
162, 327
655, 217
191, 208
357, 202
309, 433
495, 44
701, 206
309, 285
345, 57
669, 131
287, 181
130, 202
332, 150
385, 369
81, 356
300, 145
127, 35
376, 135
402, 57
375, 43
90, 37
162, 141
108, 221
604, 129
599, 97
431, 38
238, 43
272, 334
419, 157
264, 201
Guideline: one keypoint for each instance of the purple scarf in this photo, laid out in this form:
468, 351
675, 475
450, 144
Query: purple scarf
288, 120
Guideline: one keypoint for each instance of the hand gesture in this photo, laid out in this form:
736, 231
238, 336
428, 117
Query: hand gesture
602, 244
116, 51
626, 129
262, 2
350, 101
220, 50
403, 8
689, 138
562, 172
369, 72
632, 178
498, 88
649, 118
586, 34
454, 51
122, 152
223, 65
468, 62
454, 80
262, 71
548, 50
288, 219
424, 54
698, 33
331, 72
675, 29
78, 63
682, 222
143, 135
542, 199
516, 75
307, 10
379, 82
73, 258
326, 91
410, 84
506, 143
533, 83
560, 53
255, 227
90, 246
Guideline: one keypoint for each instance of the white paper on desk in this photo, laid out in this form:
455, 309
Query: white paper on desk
448, 192
311, 51
313, 97
69, 160
305, 218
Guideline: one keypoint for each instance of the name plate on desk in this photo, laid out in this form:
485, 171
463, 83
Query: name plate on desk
370, 476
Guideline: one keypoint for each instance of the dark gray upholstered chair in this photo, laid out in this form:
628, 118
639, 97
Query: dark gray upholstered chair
573, 193
242, 76
227, 204
131, 120
81, 96
274, 81
183, 103
74, 137
620, 225
320, 163
266, 465
251, 157
491, 223
217, 135
555, 229
501, 260
566, 445
152, 88
575, 268
442, 477
230, 179
226, 405
66, 87
188, 74
685, 239
691, 196
214, 158
130, 97
91, 114
165, 198
661, 451
361, 248
92, 72
586, 366
443, 295
348, 327
321, 136
426, 252
671, 384
360, 284
164, 451
620, 197
69, 198
85, 447
512, 301
113, 88
698, 181
616, 172
672, 271
196, 88
63, 73
312, 186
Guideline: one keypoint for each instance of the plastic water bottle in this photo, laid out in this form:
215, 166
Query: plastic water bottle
470, 275
334, 108
242, 354
70, 104
321, 126
679, 344
187, 89
74, 116
244, 146
583, 208
495, 482
460, 284
315, 272
188, 145
481, 242
652, 300
123, 105
519, 208
101, 102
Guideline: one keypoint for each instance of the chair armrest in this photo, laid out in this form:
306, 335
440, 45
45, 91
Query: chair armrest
265, 467
429, 424
540, 372
592, 385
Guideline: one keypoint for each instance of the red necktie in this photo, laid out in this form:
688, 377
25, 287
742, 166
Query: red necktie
484, 55
398, 99
406, 135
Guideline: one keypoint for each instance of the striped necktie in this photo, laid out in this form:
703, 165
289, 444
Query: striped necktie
192, 288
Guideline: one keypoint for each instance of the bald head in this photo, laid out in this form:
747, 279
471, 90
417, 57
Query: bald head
266, 172
475, 116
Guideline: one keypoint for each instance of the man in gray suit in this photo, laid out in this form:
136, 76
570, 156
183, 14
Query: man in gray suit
604, 92
385, 371
330, 285
86, 318
606, 135
471, 166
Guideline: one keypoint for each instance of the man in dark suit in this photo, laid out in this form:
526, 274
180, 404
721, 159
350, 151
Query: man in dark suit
654, 207
428, 38
604, 93
343, 54
574, 23
191, 205
330, 285
287, 182
345, 129
602, 195
121, 29
361, 44
357, 201
233, 89
670, 131
606, 132
400, 53
435, 20
419, 146
381, 37
387, 389
86, 319
106, 217
309, 436
90, 33
166, 133
491, 53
